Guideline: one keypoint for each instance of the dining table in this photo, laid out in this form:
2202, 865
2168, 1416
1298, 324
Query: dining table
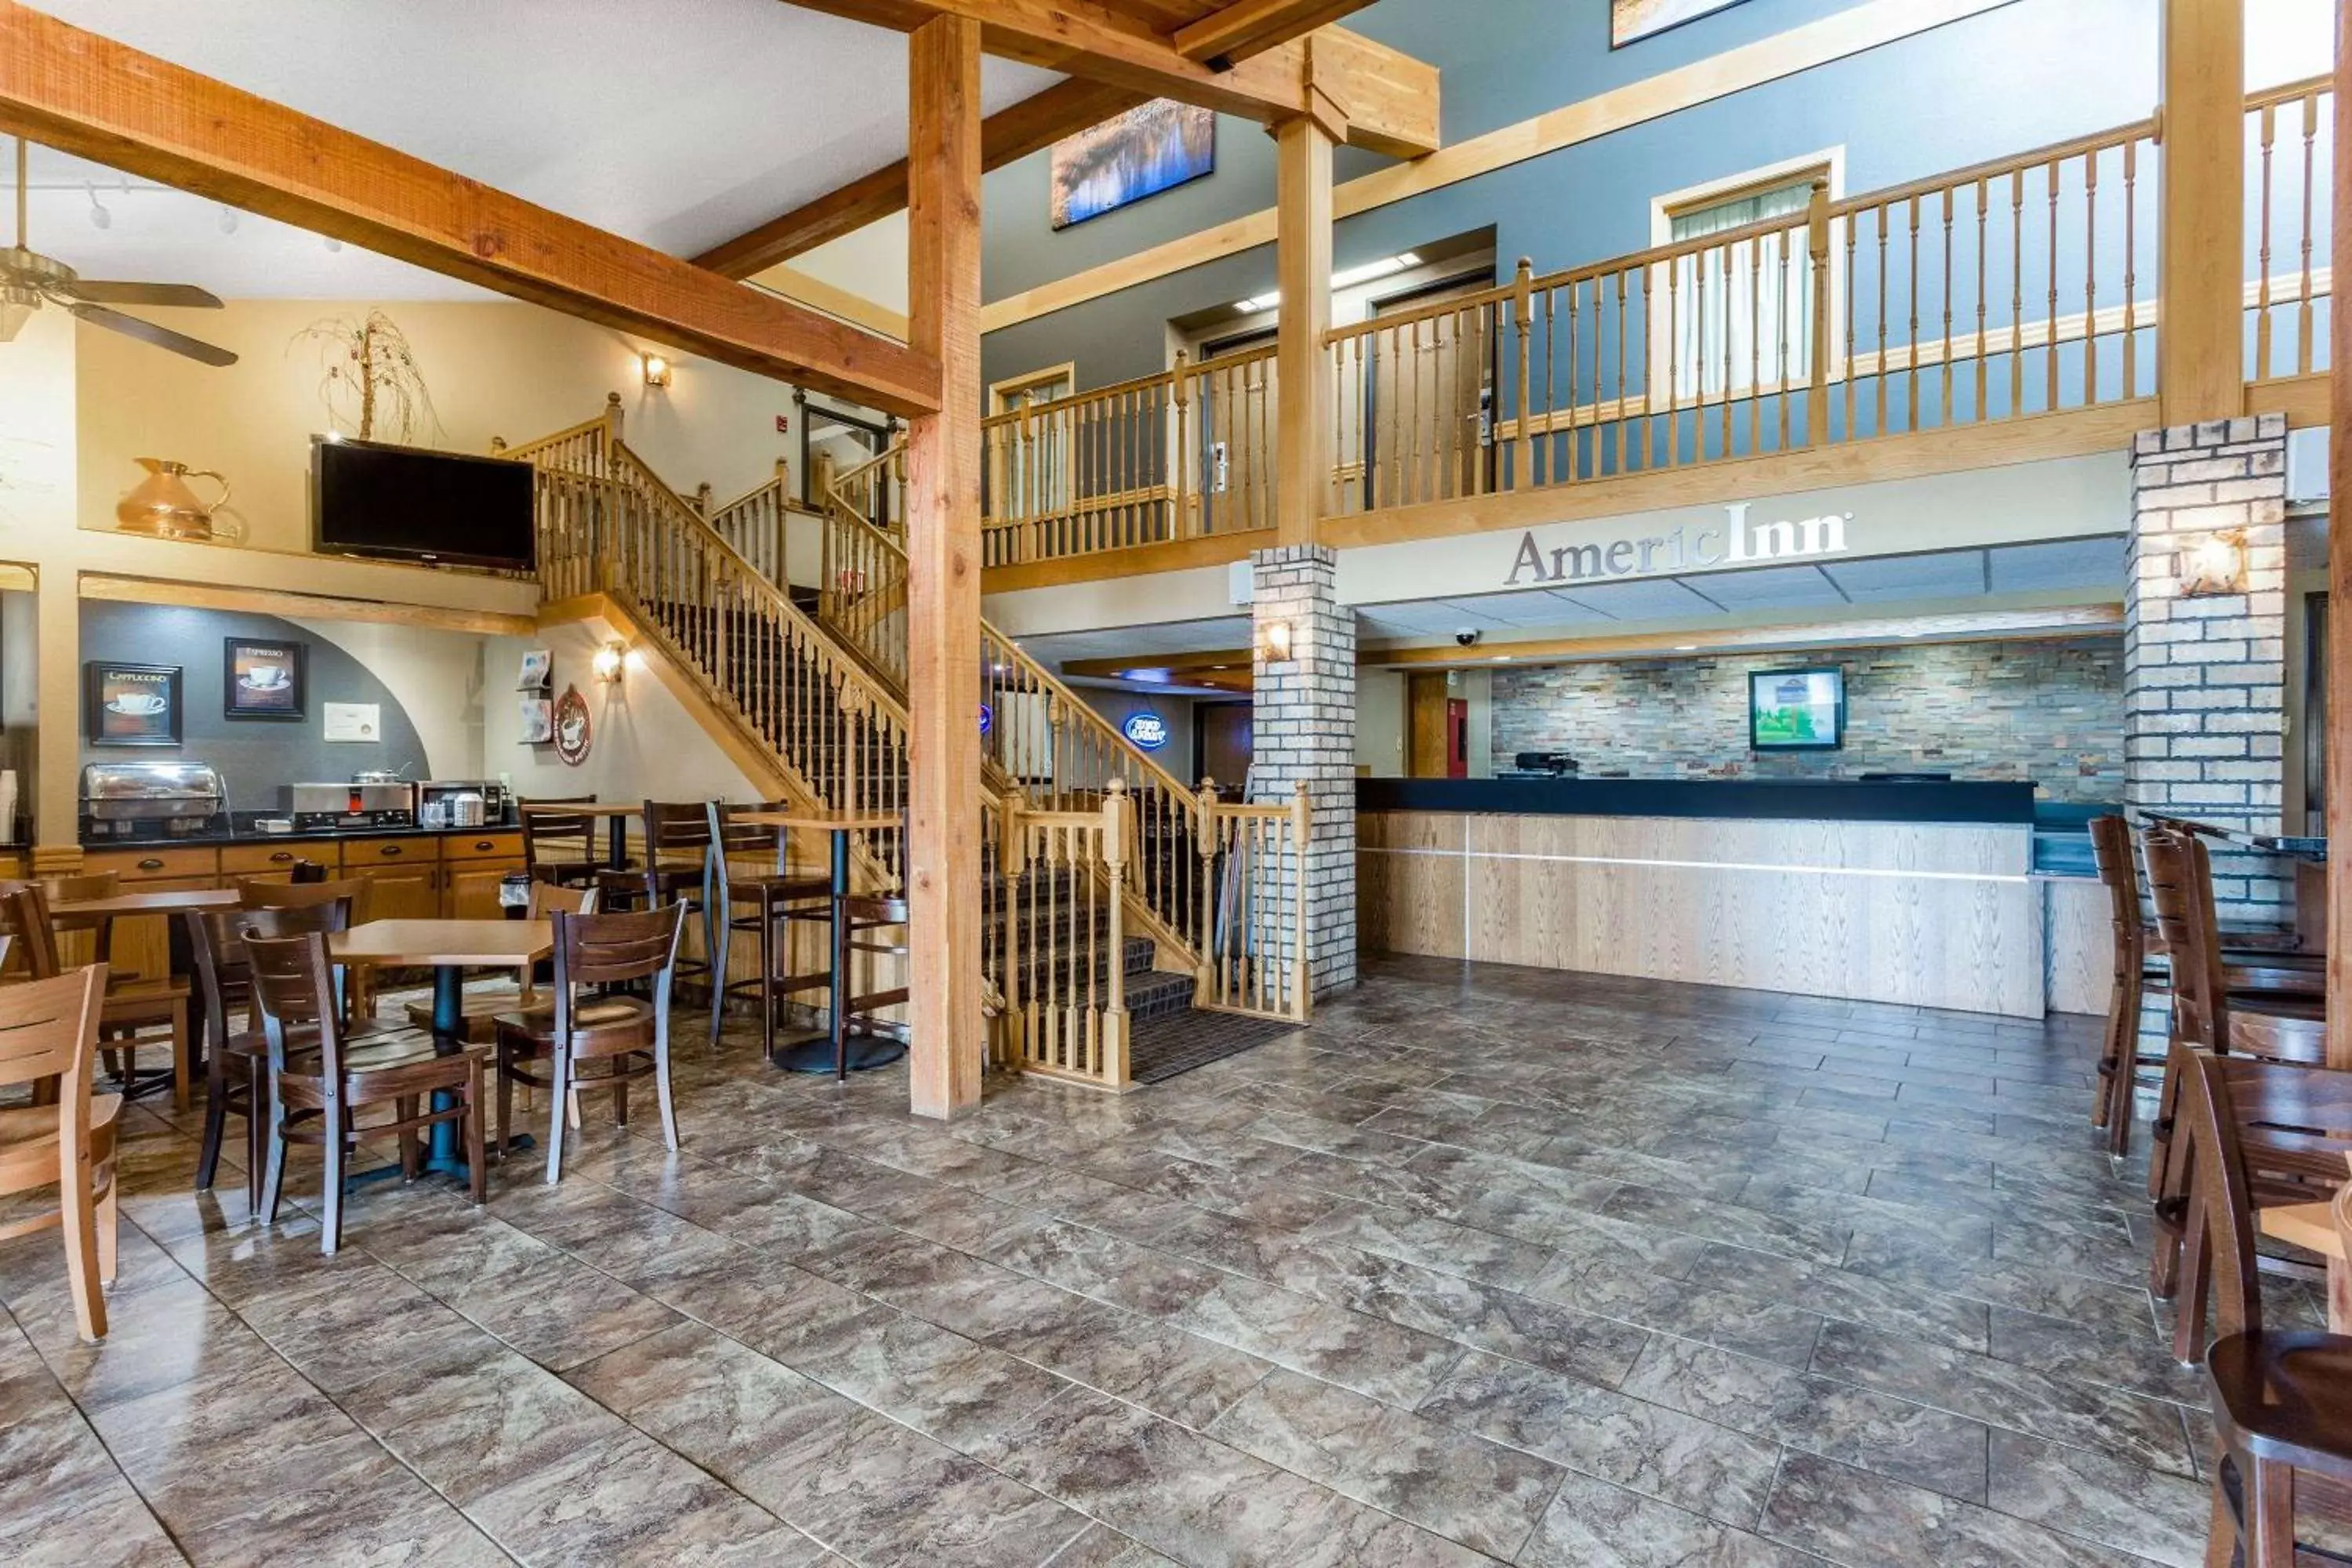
840, 1050
448, 948
2312, 1226
75, 913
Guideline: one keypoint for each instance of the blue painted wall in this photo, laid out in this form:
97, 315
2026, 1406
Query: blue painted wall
1992, 85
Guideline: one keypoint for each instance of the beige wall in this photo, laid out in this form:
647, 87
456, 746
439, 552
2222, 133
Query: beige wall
493, 369
644, 744
437, 676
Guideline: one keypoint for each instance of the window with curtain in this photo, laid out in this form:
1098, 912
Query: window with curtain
1732, 310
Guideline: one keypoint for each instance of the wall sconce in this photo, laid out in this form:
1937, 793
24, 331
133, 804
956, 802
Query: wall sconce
1278, 642
2213, 565
656, 368
608, 661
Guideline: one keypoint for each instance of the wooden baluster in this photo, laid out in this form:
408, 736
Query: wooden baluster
2304, 310
1946, 347
1852, 364
2050, 179
1979, 408
1886, 344
2090, 278
1731, 345
2267, 136
1911, 358
1673, 354
1625, 444
2017, 293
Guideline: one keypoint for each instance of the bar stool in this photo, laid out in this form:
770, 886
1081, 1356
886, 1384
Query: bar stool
676, 870
2206, 1018
752, 903
852, 918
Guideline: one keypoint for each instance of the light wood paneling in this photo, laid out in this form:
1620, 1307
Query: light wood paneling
1303, 382
2200, 357
1934, 915
2082, 943
1425, 724
2339, 592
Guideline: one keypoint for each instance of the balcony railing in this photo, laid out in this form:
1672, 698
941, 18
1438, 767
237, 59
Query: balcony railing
2020, 287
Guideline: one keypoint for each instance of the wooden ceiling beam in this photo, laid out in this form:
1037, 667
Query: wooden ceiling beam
100, 99
1247, 27
1091, 41
1034, 124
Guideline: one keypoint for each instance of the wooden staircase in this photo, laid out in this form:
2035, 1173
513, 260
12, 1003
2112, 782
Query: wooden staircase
1096, 864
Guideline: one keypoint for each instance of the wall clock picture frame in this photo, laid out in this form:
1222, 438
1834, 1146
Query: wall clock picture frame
264, 679
1631, 21
126, 704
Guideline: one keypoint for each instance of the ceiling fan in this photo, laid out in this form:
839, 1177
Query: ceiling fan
29, 280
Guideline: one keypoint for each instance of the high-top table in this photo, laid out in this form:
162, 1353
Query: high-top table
448, 948
837, 1051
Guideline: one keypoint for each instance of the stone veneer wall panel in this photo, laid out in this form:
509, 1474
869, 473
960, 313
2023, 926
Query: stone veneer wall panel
2048, 710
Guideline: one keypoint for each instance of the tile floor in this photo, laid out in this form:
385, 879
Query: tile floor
1491, 1264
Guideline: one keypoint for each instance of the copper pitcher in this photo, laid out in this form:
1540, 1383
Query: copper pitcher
162, 506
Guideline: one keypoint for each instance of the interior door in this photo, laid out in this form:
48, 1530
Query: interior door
1427, 742
1223, 742
1234, 413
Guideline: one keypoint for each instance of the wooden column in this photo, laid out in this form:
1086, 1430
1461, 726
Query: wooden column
1302, 372
2201, 359
2339, 605
943, 570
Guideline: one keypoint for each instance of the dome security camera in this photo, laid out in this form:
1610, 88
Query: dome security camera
1468, 636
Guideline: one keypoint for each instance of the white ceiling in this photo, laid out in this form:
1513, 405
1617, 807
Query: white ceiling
678, 126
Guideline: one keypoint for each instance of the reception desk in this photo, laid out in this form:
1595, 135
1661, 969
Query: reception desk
1918, 893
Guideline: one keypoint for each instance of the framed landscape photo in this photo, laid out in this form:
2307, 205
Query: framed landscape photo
1796, 710
263, 680
130, 704
1631, 21
1152, 148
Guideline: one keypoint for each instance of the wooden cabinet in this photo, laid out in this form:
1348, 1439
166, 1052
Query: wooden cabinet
473, 865
272, 862
144, 945
403, 876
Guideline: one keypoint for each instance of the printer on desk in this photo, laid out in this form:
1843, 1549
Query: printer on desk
1540, 765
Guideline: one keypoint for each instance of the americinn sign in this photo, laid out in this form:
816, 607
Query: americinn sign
1736, 543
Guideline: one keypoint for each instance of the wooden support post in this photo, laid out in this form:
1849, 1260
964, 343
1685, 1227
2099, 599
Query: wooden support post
1302, 378
943, 571
2201, 358
1817, 344
2339, 600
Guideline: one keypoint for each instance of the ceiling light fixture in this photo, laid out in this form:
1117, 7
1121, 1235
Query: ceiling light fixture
1686, 648
1371, 271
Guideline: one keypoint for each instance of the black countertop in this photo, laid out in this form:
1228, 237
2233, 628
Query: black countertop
1820, 800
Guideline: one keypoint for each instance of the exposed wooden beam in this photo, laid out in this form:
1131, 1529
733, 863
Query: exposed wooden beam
1029, 126
943, 554
2337, 738
2200, 354
98, 99
1103, 45
1302, 377
1247, 27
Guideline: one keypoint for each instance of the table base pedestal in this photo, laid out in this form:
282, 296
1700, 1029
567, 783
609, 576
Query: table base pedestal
815, 1056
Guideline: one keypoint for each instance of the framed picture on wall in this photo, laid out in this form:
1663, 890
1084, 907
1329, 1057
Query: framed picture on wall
263, 680
1140, 152
1631, 21
1796, 710
130, 704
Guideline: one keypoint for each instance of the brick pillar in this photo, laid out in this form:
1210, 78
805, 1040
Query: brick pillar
1304, 728
2205, 678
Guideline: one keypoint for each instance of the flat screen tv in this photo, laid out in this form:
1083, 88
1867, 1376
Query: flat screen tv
1796, 710
405, 503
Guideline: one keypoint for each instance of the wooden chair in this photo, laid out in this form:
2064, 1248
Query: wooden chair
132, 1003
316, 1095
2282, 1399
236, 1062
629, 1034
752, 903
48, 1036
356, 894
2142, 968
2207, 1017
676, 868
483, 1003
559, 846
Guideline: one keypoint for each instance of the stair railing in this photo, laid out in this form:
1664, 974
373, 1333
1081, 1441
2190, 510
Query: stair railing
1063, 876
862, 569
756, 525
1253, 920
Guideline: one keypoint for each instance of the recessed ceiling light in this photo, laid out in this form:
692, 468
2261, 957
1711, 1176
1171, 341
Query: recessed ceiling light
1502, 659
1686, 648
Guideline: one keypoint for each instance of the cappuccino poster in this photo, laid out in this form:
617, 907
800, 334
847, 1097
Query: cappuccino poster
131, 704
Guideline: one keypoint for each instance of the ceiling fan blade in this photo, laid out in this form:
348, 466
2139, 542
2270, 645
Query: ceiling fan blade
149, 332
184, 294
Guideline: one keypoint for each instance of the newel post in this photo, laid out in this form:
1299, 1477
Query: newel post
1523, 300
1302, 830
1117, 830
1817, 347
1205, 839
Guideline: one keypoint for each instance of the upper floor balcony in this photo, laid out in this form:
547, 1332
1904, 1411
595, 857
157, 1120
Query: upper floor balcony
2006, 311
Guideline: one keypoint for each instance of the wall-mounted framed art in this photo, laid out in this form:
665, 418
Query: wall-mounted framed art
1152, 148
126, 704
264, 680
1631, 21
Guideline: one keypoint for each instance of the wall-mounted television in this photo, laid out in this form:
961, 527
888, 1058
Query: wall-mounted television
405, 503
1796, 710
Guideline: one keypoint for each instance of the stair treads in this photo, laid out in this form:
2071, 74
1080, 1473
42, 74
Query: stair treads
1164, 1048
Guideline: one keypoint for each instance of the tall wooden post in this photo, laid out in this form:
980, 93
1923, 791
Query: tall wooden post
943, 571
1302, 378
2200, 368
2340, 605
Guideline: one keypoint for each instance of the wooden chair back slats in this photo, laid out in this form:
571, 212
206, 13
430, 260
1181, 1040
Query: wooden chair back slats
744, 840
2251, 1124
680, 831
2180, 885
350, 891
217, 948
28, 916
49, 1030
557, 840
550, 899
2111, 851
615, 949
294, 983
83, 885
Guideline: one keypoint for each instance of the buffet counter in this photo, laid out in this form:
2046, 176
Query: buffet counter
1916, 893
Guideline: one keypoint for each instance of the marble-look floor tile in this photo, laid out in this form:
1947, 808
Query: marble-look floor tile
1591, 1524
1869, 1521
2096, 1498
